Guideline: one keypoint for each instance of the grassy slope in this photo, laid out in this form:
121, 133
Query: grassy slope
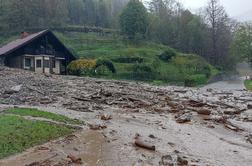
37, 113
94, 46
18, 134
248, 84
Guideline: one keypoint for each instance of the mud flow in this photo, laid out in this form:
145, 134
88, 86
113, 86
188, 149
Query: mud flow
128, 123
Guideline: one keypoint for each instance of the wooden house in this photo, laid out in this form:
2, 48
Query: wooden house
41, 52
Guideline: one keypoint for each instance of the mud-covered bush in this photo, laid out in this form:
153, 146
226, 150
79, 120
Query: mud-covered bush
167, 55
81, 67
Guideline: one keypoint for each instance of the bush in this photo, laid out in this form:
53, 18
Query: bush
142, 68
107, 63
195, 80
206, 70
128, 59
167, 55
81, 67
143, 72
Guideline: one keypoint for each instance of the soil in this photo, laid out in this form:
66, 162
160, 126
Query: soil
187, 126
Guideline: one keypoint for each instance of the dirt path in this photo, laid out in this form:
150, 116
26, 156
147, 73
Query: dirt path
187, 126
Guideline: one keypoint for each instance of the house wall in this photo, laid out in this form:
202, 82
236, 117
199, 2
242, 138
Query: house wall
2, 61
15, 62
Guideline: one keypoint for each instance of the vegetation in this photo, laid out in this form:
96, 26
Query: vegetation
82, 67
88, 67
37, 113
248, 84
208, 34
167, 55
134, 19
161, 30
241, 46
18, 134
137, 62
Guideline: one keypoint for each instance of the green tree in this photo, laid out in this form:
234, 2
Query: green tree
242, 44
134, 19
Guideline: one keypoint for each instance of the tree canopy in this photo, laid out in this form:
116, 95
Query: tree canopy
134, 19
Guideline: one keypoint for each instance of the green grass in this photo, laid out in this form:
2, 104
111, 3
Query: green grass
37, 113
18, 134
93, 46
248, 84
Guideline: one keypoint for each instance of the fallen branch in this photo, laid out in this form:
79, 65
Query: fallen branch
144, 144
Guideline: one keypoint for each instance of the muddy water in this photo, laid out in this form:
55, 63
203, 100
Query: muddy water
232, 82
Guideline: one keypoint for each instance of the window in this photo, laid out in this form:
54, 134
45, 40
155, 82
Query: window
46, 63
27, 62
39, 63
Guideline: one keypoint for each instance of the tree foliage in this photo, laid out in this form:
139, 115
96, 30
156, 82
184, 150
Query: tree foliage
134, 19
242, 44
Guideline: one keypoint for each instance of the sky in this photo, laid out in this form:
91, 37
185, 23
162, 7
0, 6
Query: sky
235, 8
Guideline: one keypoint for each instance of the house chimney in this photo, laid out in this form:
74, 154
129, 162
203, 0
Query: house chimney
24, 35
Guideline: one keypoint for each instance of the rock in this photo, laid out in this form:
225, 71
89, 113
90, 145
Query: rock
14, 89
163, 109
181, 161
249, 138
97, 126
152, 136
74, 159
204, 111
106, 117
184, 118
249, 106
167, 160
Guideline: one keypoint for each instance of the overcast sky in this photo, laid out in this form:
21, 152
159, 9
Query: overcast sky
233, 7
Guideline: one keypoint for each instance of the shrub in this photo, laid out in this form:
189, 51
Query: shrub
142, 68
81, 67
206, 70
128, 59
195, 80
143, 72
167, 55
107, 63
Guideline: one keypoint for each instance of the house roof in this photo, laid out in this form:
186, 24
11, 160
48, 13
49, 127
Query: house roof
14, 45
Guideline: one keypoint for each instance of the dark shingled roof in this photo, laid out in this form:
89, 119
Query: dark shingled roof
12, 46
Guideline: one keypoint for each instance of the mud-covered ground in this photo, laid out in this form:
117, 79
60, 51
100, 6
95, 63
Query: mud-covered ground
186, 126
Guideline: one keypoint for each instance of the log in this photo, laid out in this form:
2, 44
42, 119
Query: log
145, 145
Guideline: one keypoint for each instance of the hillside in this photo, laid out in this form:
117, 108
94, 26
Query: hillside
146, 61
